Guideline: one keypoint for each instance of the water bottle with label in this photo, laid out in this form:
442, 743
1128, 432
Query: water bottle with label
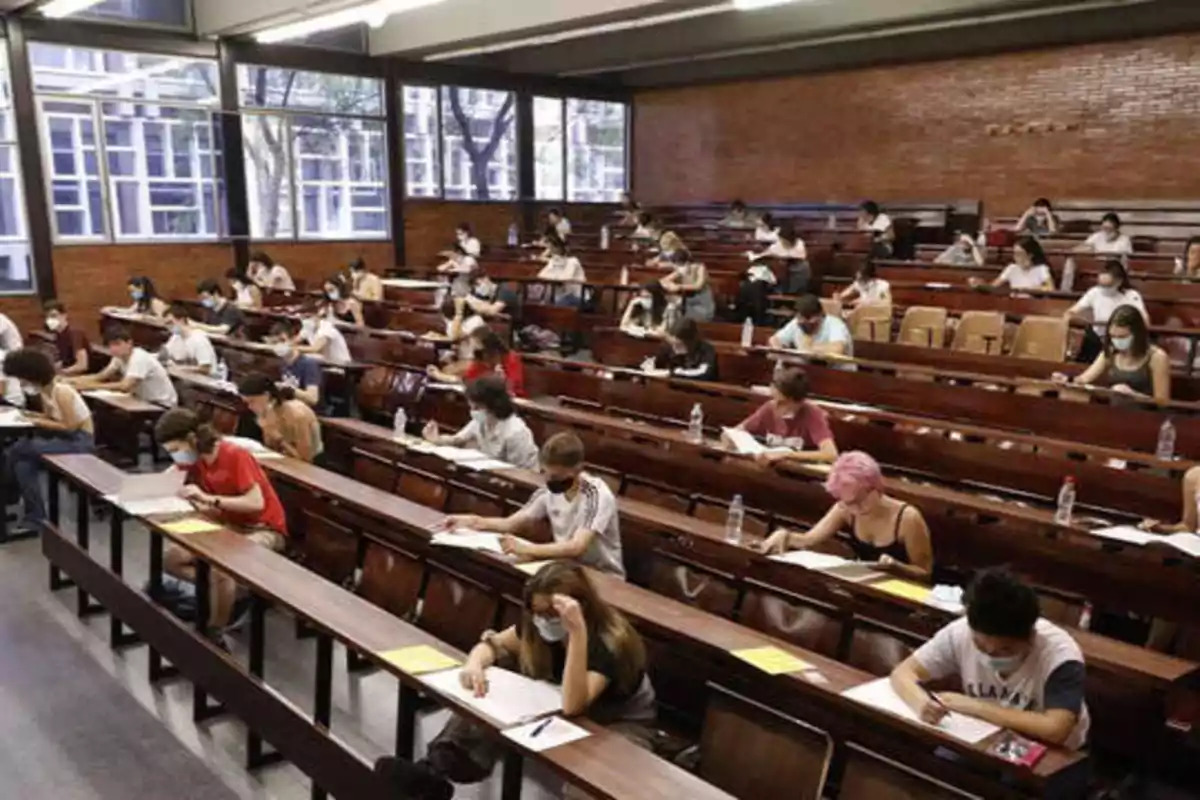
400, 423
1068, 276
222, 371
747, 332
1066, 502
513, 237
733, 523
695, 432
605, 236
1166, 440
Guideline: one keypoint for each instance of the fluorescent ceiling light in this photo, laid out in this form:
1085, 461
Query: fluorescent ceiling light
57, 9
374, 14
750, 5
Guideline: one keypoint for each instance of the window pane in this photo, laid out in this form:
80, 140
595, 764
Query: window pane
279, 88
268, 190
70, 148
341, 177
479, 144
595, 150
16, 261
127, 76
174, 13
548, 148
422, 162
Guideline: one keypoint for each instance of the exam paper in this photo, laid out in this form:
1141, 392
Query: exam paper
551, 732
151, 506
880, 694
810, 560
459, 455
511, 699
468, 540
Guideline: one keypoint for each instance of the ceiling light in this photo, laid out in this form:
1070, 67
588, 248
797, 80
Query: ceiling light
750, 5
374, 14
56, 9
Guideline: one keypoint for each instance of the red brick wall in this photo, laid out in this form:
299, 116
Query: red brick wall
1111, 120
313, 262
429, 226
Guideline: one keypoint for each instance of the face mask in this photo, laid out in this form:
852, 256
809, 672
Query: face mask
460, 236
1108, 285
30, 391
283, 349
184, 458
136, 294
334, 295
1121, 343
550, 629
479, 417
53, 323
559, 486
1005, 664
177, 330
208, 302
810, 328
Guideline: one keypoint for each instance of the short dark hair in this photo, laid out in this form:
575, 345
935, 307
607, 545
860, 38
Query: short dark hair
208, 286
179, 311
1044, 203
767, 218
1116, 268
738, 205
555, 210
464, 226
687, 331
179, 423
30, 365
357, 265
871, 207
491, 344
809, 305
116, 333
555, 242
491, 392
257, 383
287, 327
793, 384
54, 304
1000, 604
787, 231
562, 450
261, 257
1111, 217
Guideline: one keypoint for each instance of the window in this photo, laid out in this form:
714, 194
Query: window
422, 142
16, 261
316, 160
479, 144
131, 143
167, 13
548, 148
595, 151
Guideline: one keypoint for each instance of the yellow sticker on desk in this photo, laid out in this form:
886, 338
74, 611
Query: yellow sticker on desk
191, 525
531, 567
419, 659
906, 589
772, 660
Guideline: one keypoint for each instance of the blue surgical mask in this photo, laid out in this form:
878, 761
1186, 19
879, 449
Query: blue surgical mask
1005, 665
208, 302
184, 458
1121, 343
136, 294
177, 330
334, 295
550, 628
479, 417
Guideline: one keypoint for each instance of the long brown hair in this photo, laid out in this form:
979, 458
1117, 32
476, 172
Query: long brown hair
618, 636
178, 423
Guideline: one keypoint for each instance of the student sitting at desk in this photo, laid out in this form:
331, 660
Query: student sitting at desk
461, 324
465, 236
1130, 363
365, 285
963, 253
494, 428
131, 370
490, 299
647, 230
814, 331
685, 354
1028, 270
668, 244
64, 425
1191, 257
342, 302
689, 281
71, 346
567, 635
1108, 240
288, 425
564, 270
1017, 670
627, 212
268, 275
738, 217
460, 265
1112, 290
221, 317
491, 357
246, 294
189, 347
226, 482
320, 336
883, 530
866, 289
1038, 220
146, 301
872, 220
649, 313
557, 220
788, 419
581, 509
301, 373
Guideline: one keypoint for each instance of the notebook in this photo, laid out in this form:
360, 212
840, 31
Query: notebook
511, 698
880, 694
468, 540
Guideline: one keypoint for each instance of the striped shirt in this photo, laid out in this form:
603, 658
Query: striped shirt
594, 508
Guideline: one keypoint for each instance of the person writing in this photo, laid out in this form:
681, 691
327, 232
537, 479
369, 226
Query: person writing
566, 635
790, 420
132, 370
866, 289
301, 373
1129, 364
491, 357
649, 314
765, 229
71, 347
189, 348
146, 301
581, 509
366, 285
690, 282
226, 482
738, 217
320, 336
1018, 670
814, 331
344, 306
1108, 240
685, 354
963, 253
1112, 290
222, 317
246, 294
288, 425
490, 299
883, 530
268, 275
460, 266
461, 324
879, 225
1028, 270
494, 428
563, 270
668, 244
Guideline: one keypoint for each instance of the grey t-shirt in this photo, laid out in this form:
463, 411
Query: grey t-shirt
1052, 676
595, 509
507, 440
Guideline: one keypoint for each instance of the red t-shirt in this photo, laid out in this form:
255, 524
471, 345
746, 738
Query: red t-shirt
234, 472
809, 425
511, 367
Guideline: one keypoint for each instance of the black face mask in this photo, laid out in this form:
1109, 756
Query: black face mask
560, 485
810, 328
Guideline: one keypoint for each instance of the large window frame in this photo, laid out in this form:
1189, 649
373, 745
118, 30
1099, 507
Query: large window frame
565, 188
13, 244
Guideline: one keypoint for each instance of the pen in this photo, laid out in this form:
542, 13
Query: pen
541, 727
935, 699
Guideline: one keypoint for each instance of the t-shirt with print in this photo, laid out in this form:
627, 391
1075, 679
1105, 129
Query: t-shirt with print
506, 439
1051, 676
192, 347
806, 428
68, 342
1018, 277
228, 314
594, 508
234, 472
154, 384
1100, 243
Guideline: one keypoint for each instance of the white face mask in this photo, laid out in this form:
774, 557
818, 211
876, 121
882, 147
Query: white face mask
550, 628
479, 417
54, 323
282, 349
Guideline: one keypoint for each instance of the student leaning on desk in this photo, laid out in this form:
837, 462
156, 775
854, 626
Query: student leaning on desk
132, 370
567, 635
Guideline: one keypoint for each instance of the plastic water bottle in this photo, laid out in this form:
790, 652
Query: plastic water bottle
1066, 502
604, 237
513, 237
1166, 440
747, 332
624, 276
222, 371
733, 523
831, 223
695, 430
1178, 266
400, 423
1068, 276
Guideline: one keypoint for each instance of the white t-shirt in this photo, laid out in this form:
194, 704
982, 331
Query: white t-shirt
595, 509
1102, 302
245, 298
1100, 243
193, 347
335, 351
465, 348
279, 278
762, 234
564, 228
567, 270
876, 290
952, 651
1019, 278
797, 250
471, 245
10, 335
507, 440
881, 223
154, 384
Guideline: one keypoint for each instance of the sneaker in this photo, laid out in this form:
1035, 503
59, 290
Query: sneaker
414, 780
240, 614
25, 527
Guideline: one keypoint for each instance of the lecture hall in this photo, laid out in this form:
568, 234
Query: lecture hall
613, 399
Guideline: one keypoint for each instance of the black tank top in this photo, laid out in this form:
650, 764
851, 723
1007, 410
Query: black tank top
865, 551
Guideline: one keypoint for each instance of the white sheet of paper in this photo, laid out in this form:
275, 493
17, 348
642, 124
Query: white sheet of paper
101, 393
459, 455
511, 699
150, 506
151, 485
1187, 542
810, 560
13, 418
1126, 533
880, 694
468, 540
488, 464
251, 445
743, 442
557, 731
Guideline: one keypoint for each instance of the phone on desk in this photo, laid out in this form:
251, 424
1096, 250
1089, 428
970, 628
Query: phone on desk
1016, 749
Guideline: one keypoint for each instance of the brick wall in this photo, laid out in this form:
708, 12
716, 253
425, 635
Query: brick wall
1110, 120
429, 226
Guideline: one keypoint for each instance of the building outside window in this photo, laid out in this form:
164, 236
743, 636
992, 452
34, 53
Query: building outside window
579, 150
16, 260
